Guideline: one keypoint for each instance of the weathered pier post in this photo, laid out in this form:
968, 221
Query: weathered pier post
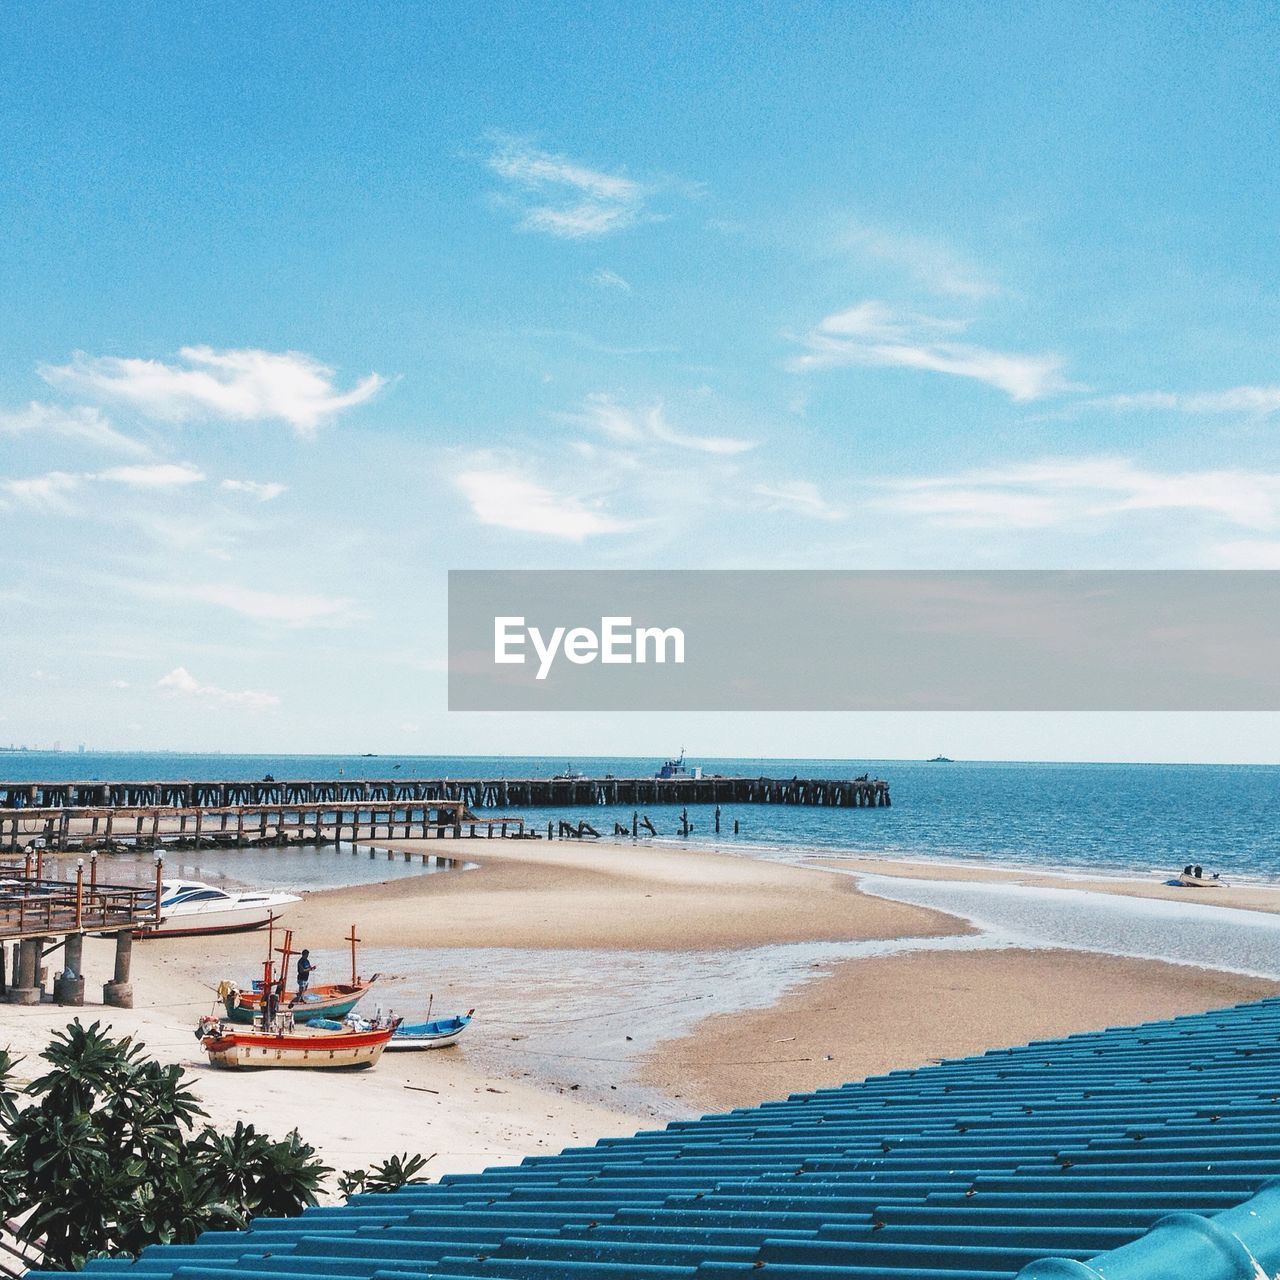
27, 987
68, 987
118, 993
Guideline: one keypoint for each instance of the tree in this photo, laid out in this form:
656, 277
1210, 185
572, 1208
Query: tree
106, 1157
386, 1175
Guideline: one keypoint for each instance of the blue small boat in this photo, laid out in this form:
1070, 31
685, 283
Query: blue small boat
429, 1035
434, 1034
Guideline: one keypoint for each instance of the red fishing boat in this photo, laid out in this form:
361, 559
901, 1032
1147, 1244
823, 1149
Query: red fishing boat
274, 1039
229, 1045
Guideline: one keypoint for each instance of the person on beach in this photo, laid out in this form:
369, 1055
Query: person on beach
304, 975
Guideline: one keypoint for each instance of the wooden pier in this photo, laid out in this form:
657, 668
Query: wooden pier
37, 910
472, 793
70, 828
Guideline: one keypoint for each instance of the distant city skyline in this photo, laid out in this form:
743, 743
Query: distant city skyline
301, 314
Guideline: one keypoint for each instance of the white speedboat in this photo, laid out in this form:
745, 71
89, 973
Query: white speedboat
191, 906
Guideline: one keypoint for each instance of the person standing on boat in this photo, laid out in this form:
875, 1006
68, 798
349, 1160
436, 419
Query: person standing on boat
304, 974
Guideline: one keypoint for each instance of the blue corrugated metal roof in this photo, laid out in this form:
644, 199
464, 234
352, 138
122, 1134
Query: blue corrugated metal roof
971, 1169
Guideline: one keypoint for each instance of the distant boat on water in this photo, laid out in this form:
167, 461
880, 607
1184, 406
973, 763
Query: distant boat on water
570, 774
677, 768
939, 760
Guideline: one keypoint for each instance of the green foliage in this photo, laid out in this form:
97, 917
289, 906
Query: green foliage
387, 1175
259, 1174
105, 1158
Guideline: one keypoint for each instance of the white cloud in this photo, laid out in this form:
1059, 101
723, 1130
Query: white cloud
1248, 553
158, 476
119, 684
82, 423
874, 334
566, 199
606, 279
53, 490
505, 498
650, 426
1252, 400
799, 497
263, 490
243, 385
294, 609
931, 264
181, 683
1062, 490
48, 492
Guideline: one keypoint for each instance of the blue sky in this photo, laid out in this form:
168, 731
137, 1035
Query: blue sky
302, 311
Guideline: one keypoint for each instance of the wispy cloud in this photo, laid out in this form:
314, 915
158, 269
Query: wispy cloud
52, 491
797, 497
1259, 401
1247, 553
566, 199
48, 492
161, 475
929, 263
872, 333
281, 608
504, 498
83, 424
1063, 490
292, 609
649, 426
181, 683
239, 385
606, 279
263, 490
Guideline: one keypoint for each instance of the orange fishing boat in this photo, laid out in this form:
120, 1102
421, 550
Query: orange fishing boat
325, 1000
282, 1046
275, 1040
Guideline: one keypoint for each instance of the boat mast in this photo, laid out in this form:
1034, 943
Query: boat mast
351, 938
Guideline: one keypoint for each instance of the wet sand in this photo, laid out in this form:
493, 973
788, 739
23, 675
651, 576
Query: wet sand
865, 1017
1248, 897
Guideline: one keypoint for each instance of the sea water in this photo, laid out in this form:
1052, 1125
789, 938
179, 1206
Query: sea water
1116, 818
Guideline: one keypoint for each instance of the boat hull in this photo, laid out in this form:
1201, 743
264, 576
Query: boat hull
430, 1035
1199, 882
330, 1002
352, 1050
231, 920
415, 1044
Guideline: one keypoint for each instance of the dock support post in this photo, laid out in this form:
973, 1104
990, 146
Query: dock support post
119, 991
26, 988
68, 987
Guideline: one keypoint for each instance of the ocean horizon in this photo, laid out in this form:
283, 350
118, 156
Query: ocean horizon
1073, 817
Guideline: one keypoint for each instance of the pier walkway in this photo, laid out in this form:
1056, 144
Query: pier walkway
36, 910
67, 827
474, 793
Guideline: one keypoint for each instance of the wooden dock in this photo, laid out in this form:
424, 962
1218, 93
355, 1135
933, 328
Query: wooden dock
41, 916
71, 828
473, 793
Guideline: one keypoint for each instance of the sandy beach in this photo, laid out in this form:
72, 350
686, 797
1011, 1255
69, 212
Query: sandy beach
618, 986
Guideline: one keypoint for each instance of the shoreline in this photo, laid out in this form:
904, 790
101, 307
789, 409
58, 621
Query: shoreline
618, 986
